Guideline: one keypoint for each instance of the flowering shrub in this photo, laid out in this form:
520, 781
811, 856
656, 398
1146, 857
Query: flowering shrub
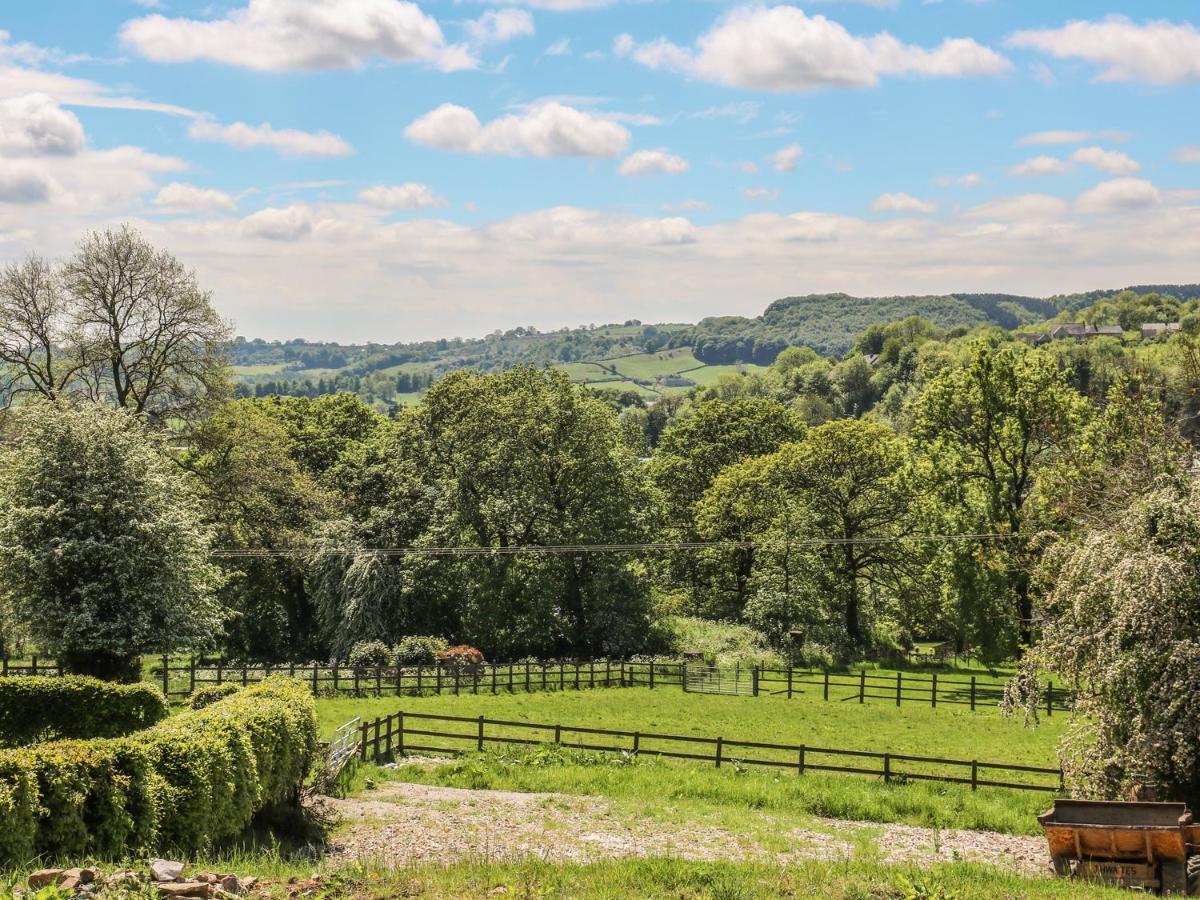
461, 658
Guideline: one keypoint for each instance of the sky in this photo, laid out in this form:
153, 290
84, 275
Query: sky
389, 171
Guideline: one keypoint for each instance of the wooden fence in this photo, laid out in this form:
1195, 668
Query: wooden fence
378, 681
405, 732
180, 679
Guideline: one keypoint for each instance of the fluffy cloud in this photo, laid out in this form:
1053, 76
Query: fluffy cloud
1119, 195
1041, 138
35, 125
548, 129
783, 49
409, 195
280, 35
499, 25
289, 223
787, 159
1039, 166
1022, 208
559, 5
689, 205
1112, 162
761, 194
903, 203
22, 183
652, 162
968, 180
1159, 52
286, 141
179, 197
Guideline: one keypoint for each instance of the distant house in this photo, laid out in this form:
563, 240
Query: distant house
1036, 338
1154, 330
675, 381
1107, 331
1077, 332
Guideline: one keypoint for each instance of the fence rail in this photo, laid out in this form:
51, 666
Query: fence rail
403, 733
180, 679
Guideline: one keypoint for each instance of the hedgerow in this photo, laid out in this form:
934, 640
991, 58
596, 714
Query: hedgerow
190, 782
208, 694
41, 709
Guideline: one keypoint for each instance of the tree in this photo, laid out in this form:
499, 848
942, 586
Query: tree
105, 554
149, 336
992, 426
37, 345
258, 497
1122, 620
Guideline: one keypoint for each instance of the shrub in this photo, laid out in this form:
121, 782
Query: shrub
419, 650
188, 783
39, 709
461, 658
208, 694
369, 654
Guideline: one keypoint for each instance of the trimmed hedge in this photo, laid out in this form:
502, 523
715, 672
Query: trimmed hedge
74, 706
190, 782
209, 694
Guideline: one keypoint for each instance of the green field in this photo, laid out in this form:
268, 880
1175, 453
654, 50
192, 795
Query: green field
709, 375
587, 371
263, 369
648, 366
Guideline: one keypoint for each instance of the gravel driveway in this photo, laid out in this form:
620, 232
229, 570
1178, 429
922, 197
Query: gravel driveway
412, 823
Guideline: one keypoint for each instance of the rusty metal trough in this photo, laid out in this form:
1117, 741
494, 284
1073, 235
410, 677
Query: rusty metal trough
1142, 845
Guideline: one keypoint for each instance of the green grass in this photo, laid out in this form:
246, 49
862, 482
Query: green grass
709, 375
648, 366
912, 729
587, 371
851, 879
261, 369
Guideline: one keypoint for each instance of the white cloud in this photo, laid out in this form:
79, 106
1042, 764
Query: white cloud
561, 47
786, 159
967, 180
280, 35
286, 141
35, 125
761, 194
289, 223
548, 129
179, 197
1188, 154
499, 25
1025, 207
410, 195
652, 162
783, 49
559, 5
1040, 166
1119, 195
905, 203
1063, 136
1159, 52
689, 205
747, 167
22, 183
1110, 161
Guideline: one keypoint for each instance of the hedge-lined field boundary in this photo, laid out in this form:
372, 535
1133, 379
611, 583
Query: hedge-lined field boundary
39, 708
187, 783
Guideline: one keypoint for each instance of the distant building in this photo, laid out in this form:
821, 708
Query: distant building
872, 358
1036, 338
675, 381
1077, 332
1154, 330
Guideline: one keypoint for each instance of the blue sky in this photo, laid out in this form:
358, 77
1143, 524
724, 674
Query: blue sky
378, 169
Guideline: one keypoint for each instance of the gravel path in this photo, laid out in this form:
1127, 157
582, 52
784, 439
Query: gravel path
405, 823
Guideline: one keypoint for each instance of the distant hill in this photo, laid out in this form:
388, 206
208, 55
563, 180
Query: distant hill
648, 360
829, 323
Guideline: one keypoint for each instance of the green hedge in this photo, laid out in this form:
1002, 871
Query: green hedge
190, 782
42, 709
208, 694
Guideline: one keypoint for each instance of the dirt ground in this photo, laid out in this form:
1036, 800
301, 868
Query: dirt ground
411, 823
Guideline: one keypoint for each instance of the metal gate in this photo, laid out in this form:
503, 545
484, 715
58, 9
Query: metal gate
711, 680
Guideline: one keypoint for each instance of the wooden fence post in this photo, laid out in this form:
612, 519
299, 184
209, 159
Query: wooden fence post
558, 734
651, 674
33, 669
899, 676
972, 693
528, 678
245, 675
456, 681
622, 671
826, 684
363, 741
974, 775
438, 671
480, 739
862, 686
800, 765
1049, 698
933, 693
720, 747
218, 671
335, 677
356, 681
378, 682
637, 742
754, 681
400, 736
192, 675
789, 682
166, 675
316, 669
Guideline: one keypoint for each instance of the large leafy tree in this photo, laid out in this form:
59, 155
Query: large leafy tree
258, 497
105, 554
1122, 621
992, 426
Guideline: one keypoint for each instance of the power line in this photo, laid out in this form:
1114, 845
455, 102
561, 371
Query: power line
561, 549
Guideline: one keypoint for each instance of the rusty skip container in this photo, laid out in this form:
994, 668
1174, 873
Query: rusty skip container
1141, 845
